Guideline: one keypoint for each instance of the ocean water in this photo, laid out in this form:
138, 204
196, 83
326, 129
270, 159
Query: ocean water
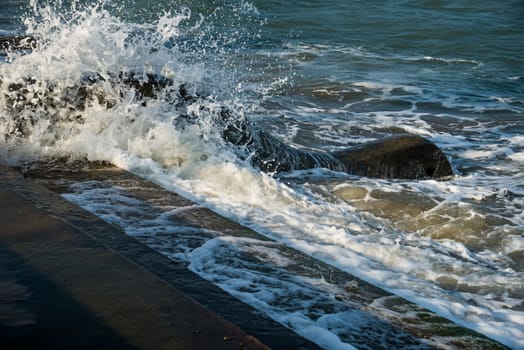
319, 75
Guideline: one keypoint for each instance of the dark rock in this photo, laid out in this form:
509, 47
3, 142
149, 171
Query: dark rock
271, 155
17, 42
403, 156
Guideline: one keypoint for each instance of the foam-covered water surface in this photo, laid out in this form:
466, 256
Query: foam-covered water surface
316, 77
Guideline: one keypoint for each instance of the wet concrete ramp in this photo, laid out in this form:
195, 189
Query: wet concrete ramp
88, 284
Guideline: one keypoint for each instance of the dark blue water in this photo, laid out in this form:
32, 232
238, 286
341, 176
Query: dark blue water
470, 52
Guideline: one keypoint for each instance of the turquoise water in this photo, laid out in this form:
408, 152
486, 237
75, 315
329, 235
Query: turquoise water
320, 75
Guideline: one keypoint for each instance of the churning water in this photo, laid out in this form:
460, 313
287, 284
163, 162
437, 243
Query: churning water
320, 75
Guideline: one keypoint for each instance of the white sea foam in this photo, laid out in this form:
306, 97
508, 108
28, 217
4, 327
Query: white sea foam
388, 88
518, 157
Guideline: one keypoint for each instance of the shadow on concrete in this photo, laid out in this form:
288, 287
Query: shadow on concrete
58, 320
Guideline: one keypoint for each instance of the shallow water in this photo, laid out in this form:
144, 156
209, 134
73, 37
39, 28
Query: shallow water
318, 75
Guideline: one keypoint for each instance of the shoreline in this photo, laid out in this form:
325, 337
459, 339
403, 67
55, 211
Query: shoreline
38, 192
